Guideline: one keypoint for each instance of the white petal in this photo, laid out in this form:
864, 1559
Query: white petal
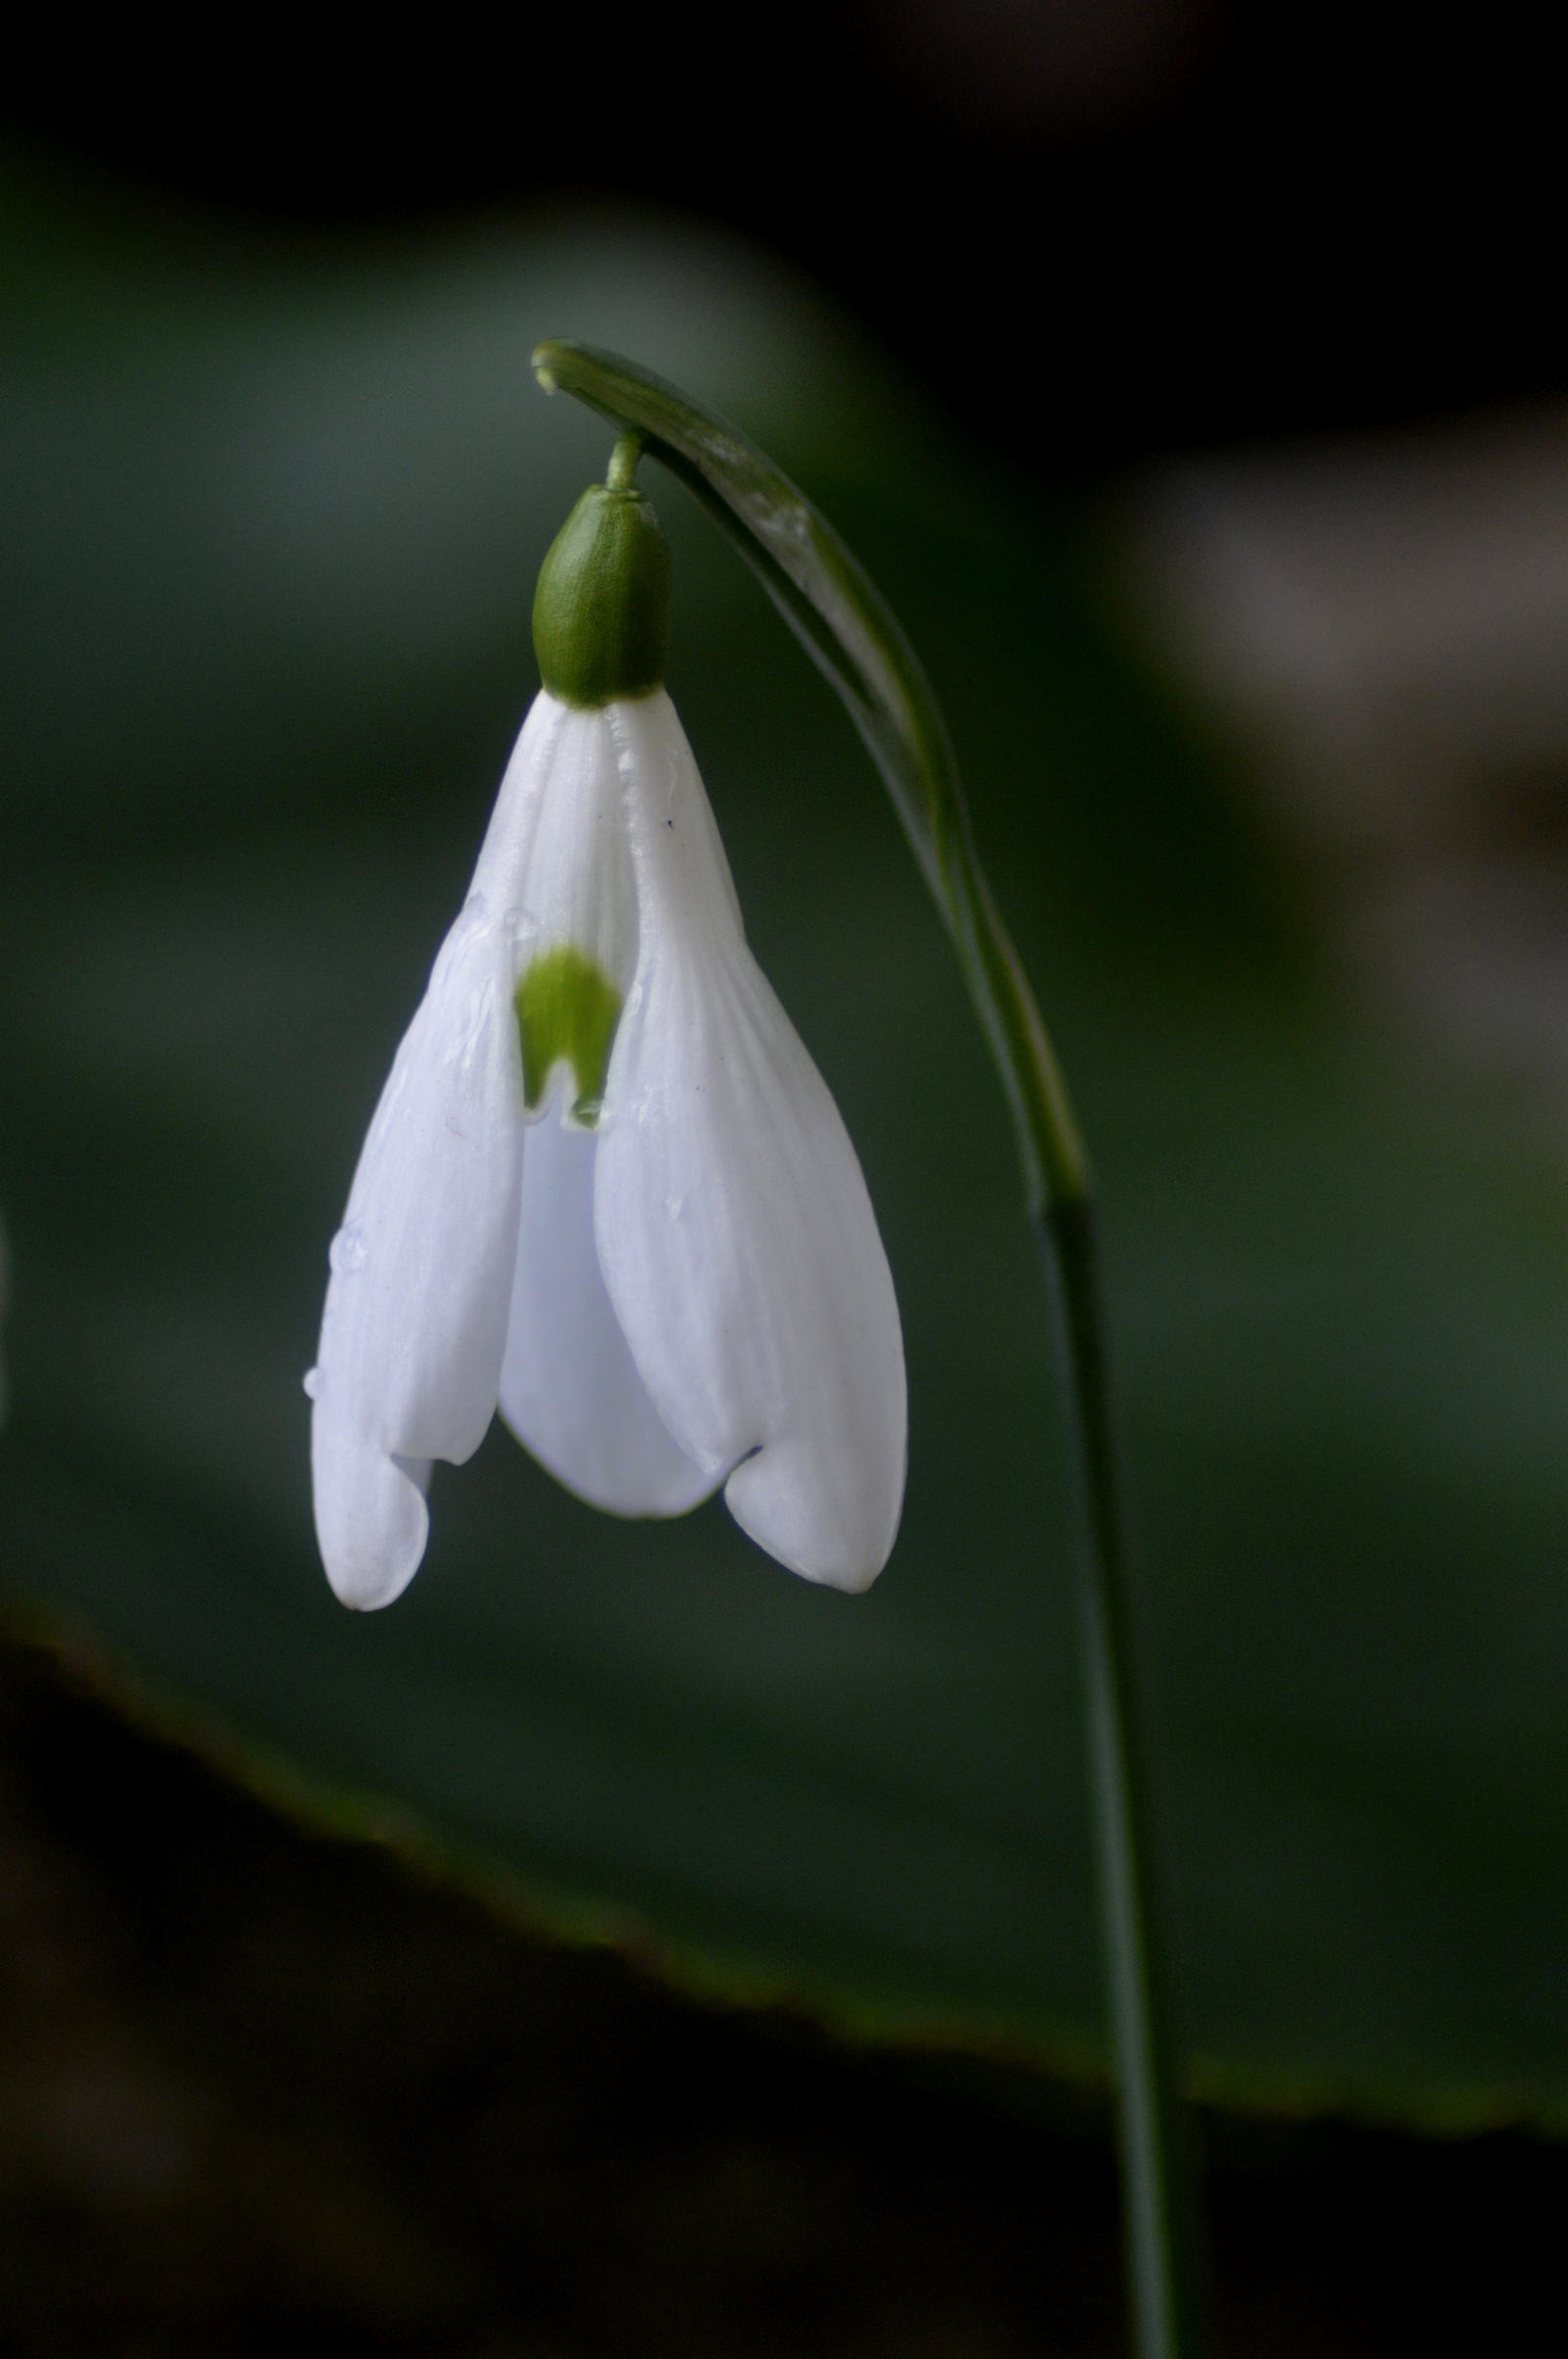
509, 838
555, 854
569, 1388
370, 1517
416, 1317
733, 1226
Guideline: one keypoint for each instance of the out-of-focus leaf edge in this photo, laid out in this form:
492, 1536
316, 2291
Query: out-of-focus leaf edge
573, 1920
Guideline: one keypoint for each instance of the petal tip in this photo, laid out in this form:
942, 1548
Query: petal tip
838, 1542
371, 1521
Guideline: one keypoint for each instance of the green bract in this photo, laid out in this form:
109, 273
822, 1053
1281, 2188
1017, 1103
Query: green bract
600, 613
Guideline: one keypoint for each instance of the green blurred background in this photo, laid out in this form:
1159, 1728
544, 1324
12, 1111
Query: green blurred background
275, 485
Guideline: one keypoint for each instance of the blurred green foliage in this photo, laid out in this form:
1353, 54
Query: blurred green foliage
272, 523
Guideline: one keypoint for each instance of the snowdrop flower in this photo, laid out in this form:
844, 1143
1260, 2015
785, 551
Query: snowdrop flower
605, 1187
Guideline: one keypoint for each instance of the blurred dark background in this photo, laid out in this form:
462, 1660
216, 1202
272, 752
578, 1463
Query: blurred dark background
1196, 220
263, 2091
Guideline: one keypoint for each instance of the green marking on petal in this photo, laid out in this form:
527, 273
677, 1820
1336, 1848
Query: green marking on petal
568, 1011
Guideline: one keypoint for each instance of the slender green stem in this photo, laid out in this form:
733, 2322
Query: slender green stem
621, 473
1165, 2242
847, 626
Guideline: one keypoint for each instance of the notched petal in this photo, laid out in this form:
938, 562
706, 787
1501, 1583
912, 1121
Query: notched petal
570, 1388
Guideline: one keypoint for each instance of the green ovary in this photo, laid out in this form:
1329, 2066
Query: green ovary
568, 1011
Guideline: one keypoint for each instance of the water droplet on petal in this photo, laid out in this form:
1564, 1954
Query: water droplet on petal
347, 1251
313, 1384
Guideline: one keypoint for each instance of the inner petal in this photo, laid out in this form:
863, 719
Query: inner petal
570, 1388
574, 904
573, 885
568, 1011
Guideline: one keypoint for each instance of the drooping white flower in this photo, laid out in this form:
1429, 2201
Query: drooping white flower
605, 1187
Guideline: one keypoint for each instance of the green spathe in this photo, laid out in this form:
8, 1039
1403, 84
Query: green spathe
600, 613
568, 1011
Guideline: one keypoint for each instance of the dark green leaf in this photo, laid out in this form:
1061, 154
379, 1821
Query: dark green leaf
272, 533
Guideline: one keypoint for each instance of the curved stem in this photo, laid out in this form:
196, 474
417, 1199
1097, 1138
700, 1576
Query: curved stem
836, 611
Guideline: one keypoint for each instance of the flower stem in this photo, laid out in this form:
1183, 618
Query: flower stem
847, 627
621, 473
1159, 2165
